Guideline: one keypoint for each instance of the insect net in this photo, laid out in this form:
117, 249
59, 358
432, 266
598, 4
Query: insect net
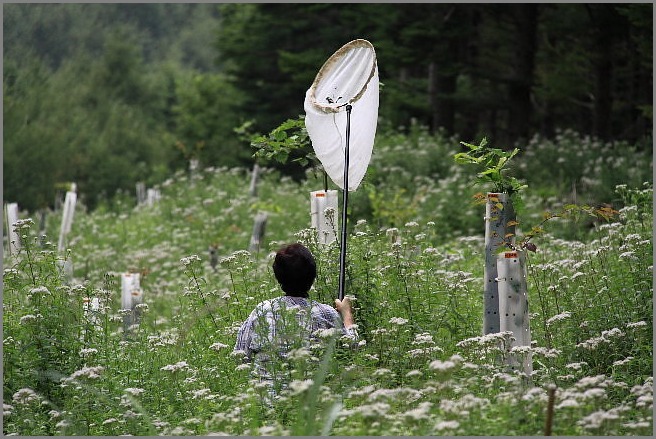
349, 76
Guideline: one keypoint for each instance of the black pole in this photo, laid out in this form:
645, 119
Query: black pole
342, 252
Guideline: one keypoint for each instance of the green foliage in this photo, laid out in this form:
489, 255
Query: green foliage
429, 78
289, 140
188, 74
492, 165
571, 212
91, 96
584, 167
203, 115
422, 363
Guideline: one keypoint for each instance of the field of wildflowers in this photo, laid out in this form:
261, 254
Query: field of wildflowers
422, 366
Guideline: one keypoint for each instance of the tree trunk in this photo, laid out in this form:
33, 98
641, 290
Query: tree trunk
603, 101
441, 88
606, 25
519, 93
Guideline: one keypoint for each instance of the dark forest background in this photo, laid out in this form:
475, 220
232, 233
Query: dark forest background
106, 95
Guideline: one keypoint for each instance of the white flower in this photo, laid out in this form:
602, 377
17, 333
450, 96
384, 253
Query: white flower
382, 371
87, 352
27, 318
622, 362
91, 373
326, 333
645, 401
23, 224
134, 391
594, 393
218, 346
596, 419
447, 425
39, 290
298, 386
643, 424
559, 317
592, 381
63, 424
375, 410
442, 366
629, 256
199, 393
269, 430
423, 338
398, 321
180, 365
299, 353
25, 396
576, 366
615, 332
421, 412
143, 307
570, 402
547, 353
189, 260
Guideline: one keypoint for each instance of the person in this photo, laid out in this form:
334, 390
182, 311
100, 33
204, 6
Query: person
292, 323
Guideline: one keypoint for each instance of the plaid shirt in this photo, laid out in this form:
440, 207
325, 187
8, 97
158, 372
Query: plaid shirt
270, 328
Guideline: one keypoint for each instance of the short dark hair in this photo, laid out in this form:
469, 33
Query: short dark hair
295, 269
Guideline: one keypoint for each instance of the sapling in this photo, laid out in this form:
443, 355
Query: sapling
493, 167
290, 139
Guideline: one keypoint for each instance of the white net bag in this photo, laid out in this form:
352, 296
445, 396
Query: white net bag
349, 76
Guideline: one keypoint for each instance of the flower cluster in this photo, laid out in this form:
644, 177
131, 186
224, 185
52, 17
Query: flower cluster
187, 261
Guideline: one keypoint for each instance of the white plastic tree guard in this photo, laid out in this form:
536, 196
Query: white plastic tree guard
513, 305
325, 225
258, 231
499, 213
141, 192
131, 296
193, 165
13, 240
153, 196
67, 218
254, 179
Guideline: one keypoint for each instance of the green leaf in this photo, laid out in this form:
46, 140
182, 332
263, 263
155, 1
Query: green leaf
464, 158
279, 135
470, 146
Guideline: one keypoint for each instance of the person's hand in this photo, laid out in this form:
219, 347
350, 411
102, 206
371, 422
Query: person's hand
344, 308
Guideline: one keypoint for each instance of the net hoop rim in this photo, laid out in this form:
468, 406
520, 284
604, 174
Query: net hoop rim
330, 62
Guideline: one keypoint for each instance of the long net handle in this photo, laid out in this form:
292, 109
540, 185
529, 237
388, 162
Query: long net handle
342, 252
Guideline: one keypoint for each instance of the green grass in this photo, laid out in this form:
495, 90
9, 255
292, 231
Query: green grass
415, 271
